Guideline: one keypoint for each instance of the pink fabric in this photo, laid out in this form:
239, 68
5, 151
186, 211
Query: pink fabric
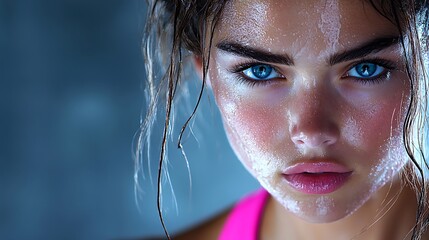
244, 220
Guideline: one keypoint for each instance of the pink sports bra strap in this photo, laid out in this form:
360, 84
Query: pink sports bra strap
244, 220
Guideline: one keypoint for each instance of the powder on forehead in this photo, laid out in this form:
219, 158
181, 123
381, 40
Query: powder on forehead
329, 24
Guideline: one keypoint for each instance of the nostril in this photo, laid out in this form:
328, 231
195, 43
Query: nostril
298, 139
313, 140
314, 134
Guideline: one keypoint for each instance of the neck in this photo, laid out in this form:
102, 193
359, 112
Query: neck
381, 217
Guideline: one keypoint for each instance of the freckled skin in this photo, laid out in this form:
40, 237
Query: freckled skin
314, 111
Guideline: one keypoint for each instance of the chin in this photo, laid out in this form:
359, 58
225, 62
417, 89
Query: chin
331, 216
319, 208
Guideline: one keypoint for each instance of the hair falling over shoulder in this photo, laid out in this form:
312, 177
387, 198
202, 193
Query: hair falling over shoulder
179, 28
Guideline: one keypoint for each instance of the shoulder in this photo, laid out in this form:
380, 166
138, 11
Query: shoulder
245, 216
209, 230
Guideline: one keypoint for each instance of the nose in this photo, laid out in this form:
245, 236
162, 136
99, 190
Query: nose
313, 140
313, 122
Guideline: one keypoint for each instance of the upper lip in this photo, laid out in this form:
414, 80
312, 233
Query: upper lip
319, 165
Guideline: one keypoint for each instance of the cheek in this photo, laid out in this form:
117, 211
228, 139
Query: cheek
367, 128
253, 131
385, 134
261, 125
375, 125
375, 136
255, 124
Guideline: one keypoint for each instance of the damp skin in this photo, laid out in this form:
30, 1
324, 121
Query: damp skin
330, 22
285, 120
252, 21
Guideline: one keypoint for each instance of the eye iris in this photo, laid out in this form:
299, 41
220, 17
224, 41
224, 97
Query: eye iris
366, 69
262, 71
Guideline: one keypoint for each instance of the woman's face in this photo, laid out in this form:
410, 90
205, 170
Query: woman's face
313, 96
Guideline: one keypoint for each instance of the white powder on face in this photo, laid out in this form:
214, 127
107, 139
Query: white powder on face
290, 204
352, 132
264, 164
329, 23
281, 135
319, 208
247, 145
282, 198
230, 108
323, 204
385, 171
393, 161
309, 82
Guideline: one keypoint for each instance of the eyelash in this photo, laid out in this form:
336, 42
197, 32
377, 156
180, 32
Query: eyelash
386, 64
239, 75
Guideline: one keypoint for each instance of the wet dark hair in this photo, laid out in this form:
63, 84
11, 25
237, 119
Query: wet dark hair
176, 29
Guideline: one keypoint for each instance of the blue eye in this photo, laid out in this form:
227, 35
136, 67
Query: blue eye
261, 72
366, 70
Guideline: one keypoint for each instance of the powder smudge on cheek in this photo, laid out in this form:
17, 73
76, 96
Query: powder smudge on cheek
352, 132
393, 155
230, 109
250, 132
394, 159
254, 133
247, 125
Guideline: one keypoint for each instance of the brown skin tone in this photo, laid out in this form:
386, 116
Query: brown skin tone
312, 107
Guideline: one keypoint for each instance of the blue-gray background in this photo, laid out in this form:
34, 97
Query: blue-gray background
71, 73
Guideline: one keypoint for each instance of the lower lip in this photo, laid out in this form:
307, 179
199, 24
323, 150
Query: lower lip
317, 183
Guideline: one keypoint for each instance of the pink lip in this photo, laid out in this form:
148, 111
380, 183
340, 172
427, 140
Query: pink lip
317, 177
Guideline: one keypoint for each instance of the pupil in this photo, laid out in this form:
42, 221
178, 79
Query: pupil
261, 71
366, 70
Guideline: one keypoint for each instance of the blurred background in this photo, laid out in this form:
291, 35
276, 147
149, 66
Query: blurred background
71, 96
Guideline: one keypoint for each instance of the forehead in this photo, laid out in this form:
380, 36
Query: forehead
312, 24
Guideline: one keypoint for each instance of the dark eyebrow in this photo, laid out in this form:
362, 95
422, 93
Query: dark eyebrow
367, 48
254, 53
363, 50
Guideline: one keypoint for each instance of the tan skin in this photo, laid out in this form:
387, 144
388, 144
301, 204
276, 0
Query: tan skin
309, 107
